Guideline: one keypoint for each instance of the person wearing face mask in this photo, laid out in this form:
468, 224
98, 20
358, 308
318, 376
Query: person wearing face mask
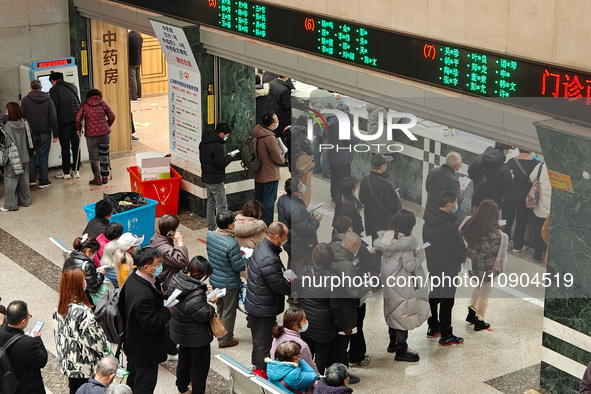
227, 261
141, 305
289, 371
377, 194
82, 257
265, 292
294, 323
249, 228
444, 178
302, 225
444, 258
266, 179
345, 254
189, 326
213, 170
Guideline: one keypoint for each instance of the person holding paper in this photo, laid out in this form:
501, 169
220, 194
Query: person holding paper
249, 228
213, 170
444, 178
189, 326
227, 260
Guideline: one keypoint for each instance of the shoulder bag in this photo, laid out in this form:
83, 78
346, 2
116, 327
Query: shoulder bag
533, 197
217, 327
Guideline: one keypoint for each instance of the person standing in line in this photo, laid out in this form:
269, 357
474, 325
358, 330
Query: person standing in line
27, 354
213, 170
444, 178
347, 204
266, 291
82, 257
134, 50
271, 156
79, 339
67, 102
98, 118
444, 259
16, 171
190, 327
144, 318
112, 232
248, 227
542, 210
104, 374
322, 99
492, 177
39, 110
487, 250
227, 260
280, 93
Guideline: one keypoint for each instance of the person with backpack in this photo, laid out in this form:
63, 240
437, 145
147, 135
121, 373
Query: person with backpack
270, 156
213, 170
492, 177
26, 355
82, 257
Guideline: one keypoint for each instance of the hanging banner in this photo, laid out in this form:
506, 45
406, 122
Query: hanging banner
184, 92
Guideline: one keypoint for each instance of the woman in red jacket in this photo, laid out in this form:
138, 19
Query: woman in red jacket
98, 118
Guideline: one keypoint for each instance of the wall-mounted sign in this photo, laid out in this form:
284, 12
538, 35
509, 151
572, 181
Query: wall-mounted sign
561, 181
562, 92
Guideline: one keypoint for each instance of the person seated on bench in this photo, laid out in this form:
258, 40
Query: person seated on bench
288, 370
335, 382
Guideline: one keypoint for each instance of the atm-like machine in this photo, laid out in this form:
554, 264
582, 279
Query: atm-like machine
41, 70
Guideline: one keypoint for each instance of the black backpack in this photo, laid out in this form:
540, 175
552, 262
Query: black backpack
108, 316
8, 381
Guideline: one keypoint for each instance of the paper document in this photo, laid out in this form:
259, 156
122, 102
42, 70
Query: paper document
315, 207
247, 252
172, 301
218, 292
502, 222
234, 152
464, 181
289, 274
424, 246
367, 241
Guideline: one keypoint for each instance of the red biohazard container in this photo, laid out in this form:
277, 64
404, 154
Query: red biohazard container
165, 191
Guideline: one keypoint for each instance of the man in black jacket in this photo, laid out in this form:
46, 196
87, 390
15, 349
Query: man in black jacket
280, 93
134, 51
266, 291
444, 260
492, 177
378, 196
28, 354
144, 318
39, 110
444, 178
67, 101
213, 170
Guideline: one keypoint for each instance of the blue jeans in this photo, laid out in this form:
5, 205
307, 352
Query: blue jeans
266, 194
40, 158
318, 157
216, 202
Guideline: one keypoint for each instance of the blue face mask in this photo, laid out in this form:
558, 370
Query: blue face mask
304, 188
456, 208
225, 138
158, 270
304, 327
355, 254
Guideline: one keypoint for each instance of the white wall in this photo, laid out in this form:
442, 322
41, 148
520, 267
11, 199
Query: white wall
30, 30
555, 31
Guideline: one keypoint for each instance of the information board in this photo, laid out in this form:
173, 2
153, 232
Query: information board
184, 92
561, 92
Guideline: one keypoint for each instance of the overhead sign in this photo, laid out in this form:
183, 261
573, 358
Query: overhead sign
561, 181
184, 92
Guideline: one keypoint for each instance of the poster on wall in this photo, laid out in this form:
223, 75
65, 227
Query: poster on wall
184, 92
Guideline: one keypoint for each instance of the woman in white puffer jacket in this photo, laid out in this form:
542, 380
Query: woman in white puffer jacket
542, 210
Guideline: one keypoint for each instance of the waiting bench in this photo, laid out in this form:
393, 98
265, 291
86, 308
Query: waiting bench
243, 381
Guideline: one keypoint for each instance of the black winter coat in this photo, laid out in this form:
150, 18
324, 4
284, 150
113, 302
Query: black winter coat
213, 159
280, 93
28, 355
376, 218
189, 325
448, 250
442, 179
322, 307
343, 266
266, 286
144, 317
66, 100
95, 227
94, 279
291, 210
492, 177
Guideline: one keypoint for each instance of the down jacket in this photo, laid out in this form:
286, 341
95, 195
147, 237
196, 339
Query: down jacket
291, 210
17, 141
375, 217
173, 259
66, 100
492, 177
542, 210
249, 231
344, 267
292, 335
213, 159
94, 279
448, 250
226, 259
299, 377
269, 153
189, 325
406, 300
266, 286
98, 115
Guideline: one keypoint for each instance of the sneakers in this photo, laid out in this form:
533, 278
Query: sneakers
405, 355
471, 318
231, 344
480, 325
60, 175
353, 379
75, 174
105, 180
363, 363
2, 209
97, 181
43, 185
453, 340
32, 183
134, 138
433, 332
519, 250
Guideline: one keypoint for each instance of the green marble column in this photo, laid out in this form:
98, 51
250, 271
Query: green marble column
567, 309
78, 33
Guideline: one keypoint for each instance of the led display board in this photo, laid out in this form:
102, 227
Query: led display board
560, 92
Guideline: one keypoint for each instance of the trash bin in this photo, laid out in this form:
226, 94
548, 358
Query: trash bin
139, 221
165, 191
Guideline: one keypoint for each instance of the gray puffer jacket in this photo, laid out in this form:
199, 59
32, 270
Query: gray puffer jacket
406, 302
17, 140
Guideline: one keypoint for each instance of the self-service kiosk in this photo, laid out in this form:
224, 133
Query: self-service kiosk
41, 70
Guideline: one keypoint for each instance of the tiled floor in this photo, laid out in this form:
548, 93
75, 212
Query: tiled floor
504, 359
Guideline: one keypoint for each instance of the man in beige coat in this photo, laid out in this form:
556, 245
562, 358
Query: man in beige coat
271, 156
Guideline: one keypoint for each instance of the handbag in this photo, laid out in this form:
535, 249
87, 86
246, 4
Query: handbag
533, 197
217, 327
242, 297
